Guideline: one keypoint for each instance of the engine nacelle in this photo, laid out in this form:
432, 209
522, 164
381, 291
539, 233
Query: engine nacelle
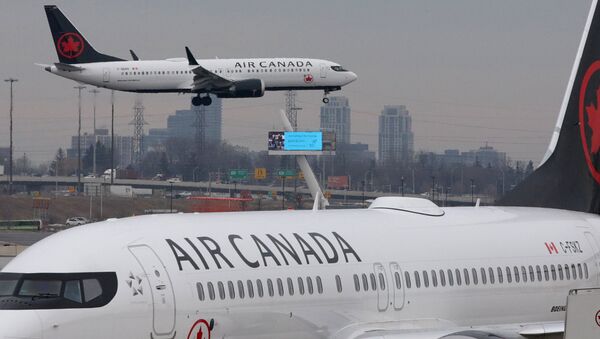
251, 88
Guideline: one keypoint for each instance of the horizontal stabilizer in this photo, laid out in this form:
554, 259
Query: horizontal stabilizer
68, 67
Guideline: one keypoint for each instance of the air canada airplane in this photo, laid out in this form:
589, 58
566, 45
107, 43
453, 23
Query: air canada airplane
403, 268
225, 78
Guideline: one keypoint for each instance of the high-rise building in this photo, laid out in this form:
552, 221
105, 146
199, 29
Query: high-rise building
123, 146
395, 135
335, 116
183, 124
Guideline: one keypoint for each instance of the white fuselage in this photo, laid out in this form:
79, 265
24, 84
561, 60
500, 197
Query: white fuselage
175, 75
322, 274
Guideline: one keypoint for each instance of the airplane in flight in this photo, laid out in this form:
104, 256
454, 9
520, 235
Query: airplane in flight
402, 268
225, 78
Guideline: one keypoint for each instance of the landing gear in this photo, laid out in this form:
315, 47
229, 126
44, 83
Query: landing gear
325, 98
201, 101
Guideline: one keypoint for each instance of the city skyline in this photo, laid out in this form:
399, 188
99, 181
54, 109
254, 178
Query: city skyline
498, 76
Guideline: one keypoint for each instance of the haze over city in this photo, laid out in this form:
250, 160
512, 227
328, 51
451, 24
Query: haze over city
469, 72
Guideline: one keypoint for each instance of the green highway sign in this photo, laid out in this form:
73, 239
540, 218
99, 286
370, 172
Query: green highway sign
286, 173
238, 174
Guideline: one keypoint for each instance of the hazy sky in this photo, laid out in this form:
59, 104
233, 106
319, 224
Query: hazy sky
469, 71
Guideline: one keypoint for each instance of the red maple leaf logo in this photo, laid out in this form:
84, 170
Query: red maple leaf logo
70, 45
593, 113
308, 78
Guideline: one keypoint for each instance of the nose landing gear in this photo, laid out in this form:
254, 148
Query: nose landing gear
325, 98
201, 101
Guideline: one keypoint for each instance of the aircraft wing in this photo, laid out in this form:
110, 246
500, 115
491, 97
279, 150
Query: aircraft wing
205, 80
400, 331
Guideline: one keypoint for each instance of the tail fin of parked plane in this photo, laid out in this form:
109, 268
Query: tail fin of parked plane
569, 176
71, 46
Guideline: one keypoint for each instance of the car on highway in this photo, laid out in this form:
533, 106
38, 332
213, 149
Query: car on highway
76, 221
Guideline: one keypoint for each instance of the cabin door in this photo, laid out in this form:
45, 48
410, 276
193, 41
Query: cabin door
595, 267
383, 295
396, 285
163, 298
323, 71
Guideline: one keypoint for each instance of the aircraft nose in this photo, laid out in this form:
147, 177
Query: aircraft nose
352, 76
22, 324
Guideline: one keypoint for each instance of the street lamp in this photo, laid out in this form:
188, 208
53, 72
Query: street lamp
472, 191
402, 185
95, 93
10, 152
79, 88
171, 196
433, 188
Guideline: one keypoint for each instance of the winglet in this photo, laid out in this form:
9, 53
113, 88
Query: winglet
190, 57
133, 55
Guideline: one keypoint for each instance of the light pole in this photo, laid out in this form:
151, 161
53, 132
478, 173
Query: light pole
79, 88
433, 189
472, 191
112, 137
10, 152
95, 93
171, 196
402, 185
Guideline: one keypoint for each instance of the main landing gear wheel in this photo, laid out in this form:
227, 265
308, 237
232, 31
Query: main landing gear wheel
325, 100
201, 101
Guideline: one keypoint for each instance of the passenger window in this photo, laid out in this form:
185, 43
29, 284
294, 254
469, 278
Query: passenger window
517, 276
407, 279
319, 285
508, 275
73, 291
91, 289
500, 277
211, 291
231, 289
580, 271
451, 278
259, 288
338, 283
553, 271
483, 276
524, 273
425, 279
491, 273
417, 280
290, 284
466, 275
373, 282
270, 287
221, 290
309, 285
442, 278
280, 287
532, 274
198, 287
561, 276
365, 282
356, 283
475, 280
241, 289
567, 272
457, 276
300, 286
585, 270
546, 273
381, 282
434, 278
573, 271
538, 271
250, 289
397, 278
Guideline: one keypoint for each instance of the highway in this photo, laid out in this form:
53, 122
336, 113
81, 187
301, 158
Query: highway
204, 186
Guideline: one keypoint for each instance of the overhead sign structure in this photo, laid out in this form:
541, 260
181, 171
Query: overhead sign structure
286, 173
301, 143
238, 174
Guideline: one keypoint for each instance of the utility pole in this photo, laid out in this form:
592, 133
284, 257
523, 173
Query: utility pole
79, 88
10, 153
112, 137
95, 93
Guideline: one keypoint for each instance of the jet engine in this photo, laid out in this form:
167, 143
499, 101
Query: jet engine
251, 88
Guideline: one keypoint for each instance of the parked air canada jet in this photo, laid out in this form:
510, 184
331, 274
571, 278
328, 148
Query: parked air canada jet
225, 78
403, 268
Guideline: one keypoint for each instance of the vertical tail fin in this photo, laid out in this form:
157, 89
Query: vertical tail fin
569, 177
71, 46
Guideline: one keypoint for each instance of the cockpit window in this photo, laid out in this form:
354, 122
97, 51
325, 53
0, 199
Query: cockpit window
56, 290
339, 69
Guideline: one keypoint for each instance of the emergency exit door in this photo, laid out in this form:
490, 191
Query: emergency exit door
163, 298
